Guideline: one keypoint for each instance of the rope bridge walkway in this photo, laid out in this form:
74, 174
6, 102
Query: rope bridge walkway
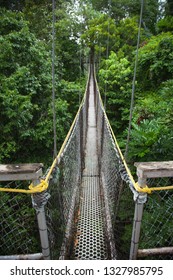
91, 239
87, 205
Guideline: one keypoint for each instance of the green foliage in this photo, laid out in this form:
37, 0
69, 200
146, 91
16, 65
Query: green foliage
151, 135
169, 8
115, 75
25, 94
103, 33
127, 31
121, 9
67, 47
13, 4
38, 15
25, 82
101, 30
25, 79
165, 24
143, 140
155, 61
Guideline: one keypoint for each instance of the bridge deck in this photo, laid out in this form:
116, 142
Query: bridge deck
90, 237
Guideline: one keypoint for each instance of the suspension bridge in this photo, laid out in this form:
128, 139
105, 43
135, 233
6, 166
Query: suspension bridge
87, 206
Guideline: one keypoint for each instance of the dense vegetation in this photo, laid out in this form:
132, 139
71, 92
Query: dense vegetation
26, 83
109, 29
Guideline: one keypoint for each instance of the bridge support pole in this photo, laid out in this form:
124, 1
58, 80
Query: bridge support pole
39, 200
140, 200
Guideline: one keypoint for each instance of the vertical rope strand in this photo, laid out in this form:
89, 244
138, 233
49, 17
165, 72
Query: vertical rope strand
53, 79
80, 74
133, 83
107, 49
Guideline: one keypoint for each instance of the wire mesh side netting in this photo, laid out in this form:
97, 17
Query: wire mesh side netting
18, 223
157, 225
62, 207
157, 220
118, 197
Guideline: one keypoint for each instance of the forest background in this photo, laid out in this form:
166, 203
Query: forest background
110, 27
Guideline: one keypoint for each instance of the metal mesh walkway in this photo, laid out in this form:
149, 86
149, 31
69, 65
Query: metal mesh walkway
90, 237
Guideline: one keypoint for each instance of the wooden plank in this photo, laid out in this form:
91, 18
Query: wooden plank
154, 169
24, 171
36, 256
155, 251
20, 168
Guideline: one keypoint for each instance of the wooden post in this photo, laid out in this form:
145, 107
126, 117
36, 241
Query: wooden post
20, 172
37, 256
155, 251
154, 169
147, 170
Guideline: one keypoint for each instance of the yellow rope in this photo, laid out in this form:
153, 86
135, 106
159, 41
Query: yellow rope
148, 190
42, 186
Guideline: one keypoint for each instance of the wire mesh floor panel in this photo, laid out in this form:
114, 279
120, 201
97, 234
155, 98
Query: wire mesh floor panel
90, 242
90, 237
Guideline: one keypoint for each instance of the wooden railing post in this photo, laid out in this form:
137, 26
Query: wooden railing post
147, 170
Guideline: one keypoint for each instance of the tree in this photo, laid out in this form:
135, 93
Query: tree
155, 61
121, 9
169, 7
151, 134
127, 33
165, 24
101, 33
25, 93
115, 74
12, 4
